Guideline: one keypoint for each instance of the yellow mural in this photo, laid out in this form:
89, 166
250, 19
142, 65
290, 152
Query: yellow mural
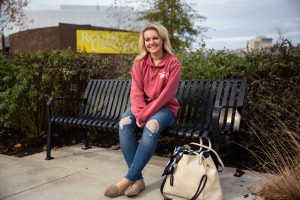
112, 42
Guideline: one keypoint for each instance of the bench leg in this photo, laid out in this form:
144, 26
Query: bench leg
237, 155
86, 141
216, 143
49, 137
216, 147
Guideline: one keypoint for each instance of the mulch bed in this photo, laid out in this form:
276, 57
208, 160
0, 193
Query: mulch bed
14, 143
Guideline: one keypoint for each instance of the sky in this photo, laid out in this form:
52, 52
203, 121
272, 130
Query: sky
230, 23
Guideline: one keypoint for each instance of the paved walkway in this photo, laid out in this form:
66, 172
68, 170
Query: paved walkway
77, 174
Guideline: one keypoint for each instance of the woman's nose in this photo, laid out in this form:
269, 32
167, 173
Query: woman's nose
151, 41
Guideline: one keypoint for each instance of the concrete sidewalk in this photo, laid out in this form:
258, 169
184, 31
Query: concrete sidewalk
78, 174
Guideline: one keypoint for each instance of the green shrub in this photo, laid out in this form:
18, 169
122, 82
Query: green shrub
282, 60
29, 80
210, 64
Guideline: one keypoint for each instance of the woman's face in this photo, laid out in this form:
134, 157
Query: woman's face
153, 42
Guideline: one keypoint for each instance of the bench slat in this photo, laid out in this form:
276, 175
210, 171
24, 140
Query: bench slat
209, 105
191, 102
224, 101
203, 103
117, 99
196, 105
230, 112
239, 103
125, 98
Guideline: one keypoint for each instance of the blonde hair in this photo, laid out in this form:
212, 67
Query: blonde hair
163, 34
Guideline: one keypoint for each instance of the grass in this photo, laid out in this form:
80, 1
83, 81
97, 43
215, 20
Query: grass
286, 185
278, 153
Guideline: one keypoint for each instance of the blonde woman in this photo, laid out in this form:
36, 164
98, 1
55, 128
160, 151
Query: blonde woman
155, 77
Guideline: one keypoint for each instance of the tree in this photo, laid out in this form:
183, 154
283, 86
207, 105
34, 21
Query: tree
280, 33
124, 18
11, 15
178, 17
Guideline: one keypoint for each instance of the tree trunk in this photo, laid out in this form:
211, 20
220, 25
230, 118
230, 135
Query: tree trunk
3, 42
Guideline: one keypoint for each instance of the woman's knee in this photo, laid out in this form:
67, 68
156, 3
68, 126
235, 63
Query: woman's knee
125, 121
152, 125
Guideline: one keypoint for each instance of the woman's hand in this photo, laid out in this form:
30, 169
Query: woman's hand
140, 125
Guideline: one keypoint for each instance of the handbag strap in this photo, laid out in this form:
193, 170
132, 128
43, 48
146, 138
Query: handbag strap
162, 188
198, 192
200, 189
201, 142
210, 149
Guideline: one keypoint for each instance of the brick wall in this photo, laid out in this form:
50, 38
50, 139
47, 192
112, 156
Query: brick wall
34, 40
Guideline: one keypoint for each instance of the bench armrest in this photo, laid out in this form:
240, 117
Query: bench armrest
215, 123
52, 101
216, 116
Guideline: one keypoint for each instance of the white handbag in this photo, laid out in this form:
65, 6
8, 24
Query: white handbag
192, 174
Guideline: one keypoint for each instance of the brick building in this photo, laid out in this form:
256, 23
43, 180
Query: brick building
61, 37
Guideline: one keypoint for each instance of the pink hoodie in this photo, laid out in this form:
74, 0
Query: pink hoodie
153, 87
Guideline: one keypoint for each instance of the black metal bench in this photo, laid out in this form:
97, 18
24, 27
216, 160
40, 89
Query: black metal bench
208, 107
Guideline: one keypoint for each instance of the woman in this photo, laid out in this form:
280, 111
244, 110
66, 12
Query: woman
155, 78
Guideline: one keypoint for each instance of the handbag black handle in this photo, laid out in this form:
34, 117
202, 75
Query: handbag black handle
198, 192
162, 188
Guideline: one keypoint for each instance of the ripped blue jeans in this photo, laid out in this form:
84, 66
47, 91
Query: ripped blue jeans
137, 154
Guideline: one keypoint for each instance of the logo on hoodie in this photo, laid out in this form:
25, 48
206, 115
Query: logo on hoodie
163, 74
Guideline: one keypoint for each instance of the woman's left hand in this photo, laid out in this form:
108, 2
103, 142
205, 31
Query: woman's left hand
140, 125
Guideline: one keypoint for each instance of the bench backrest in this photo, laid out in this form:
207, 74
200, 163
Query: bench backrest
109, 99
198, 98
106, 99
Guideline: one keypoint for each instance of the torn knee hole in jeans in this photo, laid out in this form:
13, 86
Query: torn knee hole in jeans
152, 125
125, 121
